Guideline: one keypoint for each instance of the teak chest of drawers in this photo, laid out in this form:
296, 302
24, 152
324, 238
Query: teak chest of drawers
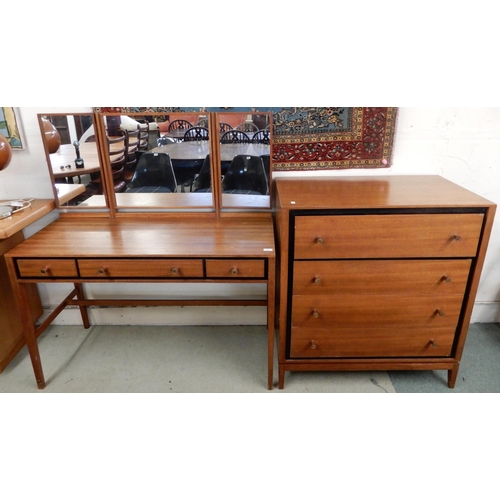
377, 273
146, 250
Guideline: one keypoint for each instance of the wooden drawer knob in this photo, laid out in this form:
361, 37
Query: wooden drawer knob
175, 270
103, 270
313, 344
317, 280
315, 314
45, 270
456, 237
439, 312
433, 343
234, 271
320, 241
447, 279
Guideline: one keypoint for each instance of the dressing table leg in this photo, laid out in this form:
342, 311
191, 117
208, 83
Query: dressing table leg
30, 337
22, 301
83, 309
37, 364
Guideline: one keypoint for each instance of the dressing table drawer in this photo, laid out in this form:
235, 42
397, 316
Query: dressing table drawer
47, 268
235, 268
143, 268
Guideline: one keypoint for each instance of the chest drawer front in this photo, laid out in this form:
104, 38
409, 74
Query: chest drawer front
381, 235
375, 311
235, 268
141, 268
47, 268
371, 342
416, 277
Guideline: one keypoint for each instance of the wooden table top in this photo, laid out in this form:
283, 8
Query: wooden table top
198, 150
66, 192
66, 156
142, 237
19, 220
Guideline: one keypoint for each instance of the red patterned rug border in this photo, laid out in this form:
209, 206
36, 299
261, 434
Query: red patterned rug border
369, 144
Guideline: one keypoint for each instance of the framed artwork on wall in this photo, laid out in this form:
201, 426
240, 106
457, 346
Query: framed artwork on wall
10, 128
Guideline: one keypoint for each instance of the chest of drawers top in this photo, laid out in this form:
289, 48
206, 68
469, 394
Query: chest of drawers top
377, 192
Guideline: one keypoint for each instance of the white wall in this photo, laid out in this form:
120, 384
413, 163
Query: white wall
460, 144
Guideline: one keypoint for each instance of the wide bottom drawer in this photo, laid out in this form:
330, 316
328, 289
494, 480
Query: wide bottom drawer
371, 342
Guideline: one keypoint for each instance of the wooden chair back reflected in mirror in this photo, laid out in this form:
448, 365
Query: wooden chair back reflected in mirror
224, 127
196, 134
247, 127
133, 141
234, 137
262, 137
179, 124
117, 154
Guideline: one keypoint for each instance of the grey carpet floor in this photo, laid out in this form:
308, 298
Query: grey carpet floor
215, 359
161, 359
479, 368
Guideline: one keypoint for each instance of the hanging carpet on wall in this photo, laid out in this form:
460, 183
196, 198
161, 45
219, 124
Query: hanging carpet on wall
332, 138
318, 138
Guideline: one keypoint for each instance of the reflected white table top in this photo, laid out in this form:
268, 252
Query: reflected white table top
198, 150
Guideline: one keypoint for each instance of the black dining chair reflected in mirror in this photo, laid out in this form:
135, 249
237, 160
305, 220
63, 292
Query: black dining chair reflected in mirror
266, 161
154, 174
245, 175
203, 180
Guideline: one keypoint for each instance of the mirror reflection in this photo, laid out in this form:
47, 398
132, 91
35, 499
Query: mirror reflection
245, 148
73, 158
160, 160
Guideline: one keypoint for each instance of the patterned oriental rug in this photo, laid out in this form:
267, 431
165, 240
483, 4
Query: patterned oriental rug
318, 138
333, 138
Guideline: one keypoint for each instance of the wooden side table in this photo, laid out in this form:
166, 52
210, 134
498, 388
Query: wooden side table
11, 334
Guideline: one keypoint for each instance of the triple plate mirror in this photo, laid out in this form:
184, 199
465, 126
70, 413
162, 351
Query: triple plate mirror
156, 162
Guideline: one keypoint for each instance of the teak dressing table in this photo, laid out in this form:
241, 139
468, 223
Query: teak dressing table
155, 250
195, 237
